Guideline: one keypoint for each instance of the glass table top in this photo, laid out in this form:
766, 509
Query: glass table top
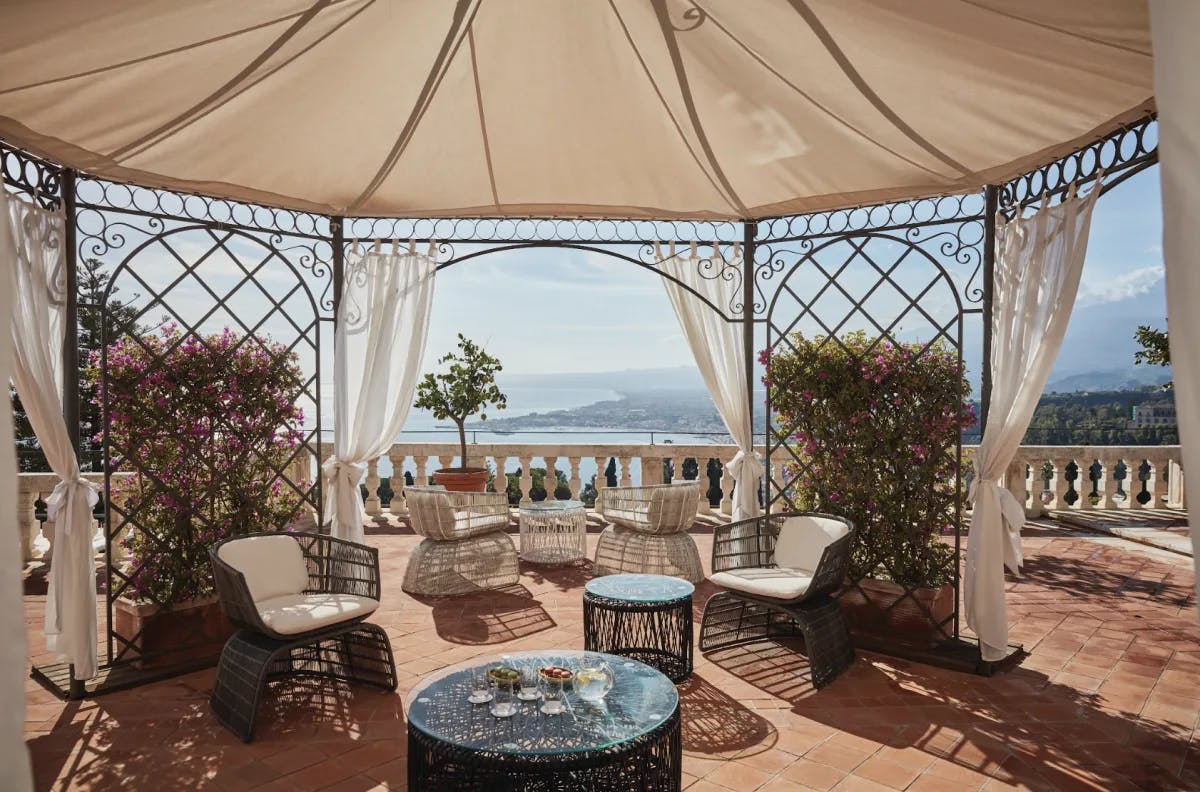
552, 506
639, 588
641, 700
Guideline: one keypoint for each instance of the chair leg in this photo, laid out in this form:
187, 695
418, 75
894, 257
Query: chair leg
241, 681
827, 640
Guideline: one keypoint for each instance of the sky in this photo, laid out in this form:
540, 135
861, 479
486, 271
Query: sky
573, 311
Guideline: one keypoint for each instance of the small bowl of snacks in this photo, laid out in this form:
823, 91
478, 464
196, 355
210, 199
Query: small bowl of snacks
555, 673
504, 676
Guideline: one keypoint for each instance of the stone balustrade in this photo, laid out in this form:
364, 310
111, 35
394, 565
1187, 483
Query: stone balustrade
1042, 477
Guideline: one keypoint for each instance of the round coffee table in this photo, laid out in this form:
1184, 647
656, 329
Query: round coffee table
643, 617
629, 741
553, 532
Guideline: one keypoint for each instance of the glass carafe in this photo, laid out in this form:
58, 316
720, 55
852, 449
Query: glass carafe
594, 678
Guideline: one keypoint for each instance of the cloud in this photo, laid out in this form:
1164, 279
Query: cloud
1099, 291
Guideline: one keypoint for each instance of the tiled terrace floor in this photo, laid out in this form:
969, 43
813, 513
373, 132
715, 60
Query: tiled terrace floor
1107, 700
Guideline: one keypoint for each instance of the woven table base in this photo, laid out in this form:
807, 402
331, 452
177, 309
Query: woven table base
658, 634
731, 619
356, 652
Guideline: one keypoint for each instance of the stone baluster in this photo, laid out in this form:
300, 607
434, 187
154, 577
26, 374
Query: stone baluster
1156, 486
26, 522
652, 470
420, 474
576, 484
1133, 483
501, 482
1173, 489
1059, 481
1084, 484
526, 483
601, 479
1181, 476
398, 505
703, 506
1016, 482
726, 486
676, 469
551, 480
1107, 485
626, 475
372, 503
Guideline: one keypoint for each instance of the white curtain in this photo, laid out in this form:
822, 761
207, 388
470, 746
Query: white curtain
716, 344
383, 316
14, 758
1039, 260
1176, 29
33, 243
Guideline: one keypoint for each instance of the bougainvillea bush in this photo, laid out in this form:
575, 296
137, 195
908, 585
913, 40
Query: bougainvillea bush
874, 425
202, 423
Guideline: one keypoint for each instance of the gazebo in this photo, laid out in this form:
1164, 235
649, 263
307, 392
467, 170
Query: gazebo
748, 152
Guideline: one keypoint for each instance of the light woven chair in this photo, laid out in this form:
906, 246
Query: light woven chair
647, 531
779, 573
466, 546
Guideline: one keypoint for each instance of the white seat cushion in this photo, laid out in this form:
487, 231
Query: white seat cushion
628, 517
802, 540
773, 582
292, 614
476, 520
272, 565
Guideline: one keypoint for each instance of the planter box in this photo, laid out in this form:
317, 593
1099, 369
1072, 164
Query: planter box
190, 633
882, 610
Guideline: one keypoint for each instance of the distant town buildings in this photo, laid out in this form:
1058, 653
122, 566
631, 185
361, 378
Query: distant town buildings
1153, 414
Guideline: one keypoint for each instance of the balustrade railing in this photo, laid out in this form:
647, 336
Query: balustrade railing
1079, 478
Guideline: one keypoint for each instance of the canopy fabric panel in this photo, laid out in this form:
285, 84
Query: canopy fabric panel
667, 109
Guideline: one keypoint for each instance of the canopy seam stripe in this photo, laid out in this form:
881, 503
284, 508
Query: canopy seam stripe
1056, 29
666, 107
464, 16
487, 146
689, 102
156, 55
843, 62
166, 130
811, 100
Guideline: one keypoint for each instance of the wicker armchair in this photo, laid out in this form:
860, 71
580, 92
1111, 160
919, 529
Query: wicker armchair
779, 572
301, 601
647, 531
466, 546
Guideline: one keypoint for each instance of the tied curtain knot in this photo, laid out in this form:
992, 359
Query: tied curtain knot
1012, 511
68, 492
745, 466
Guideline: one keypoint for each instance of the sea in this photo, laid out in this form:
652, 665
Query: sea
422, 427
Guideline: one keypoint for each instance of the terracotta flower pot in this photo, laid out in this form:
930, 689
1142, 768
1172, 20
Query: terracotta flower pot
190, 633
462, 479
881, 609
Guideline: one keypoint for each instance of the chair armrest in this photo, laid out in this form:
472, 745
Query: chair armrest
339, 566
831, 569
234, 595
746, 543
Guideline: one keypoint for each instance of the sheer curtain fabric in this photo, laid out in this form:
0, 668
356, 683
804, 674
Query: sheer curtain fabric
14, 758
34, 245
1176, 27
716, 344
383, 317
1039, 260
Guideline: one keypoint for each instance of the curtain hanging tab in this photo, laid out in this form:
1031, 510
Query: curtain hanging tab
695, 252
356, 248
432, 251
412, 246
671, 249
395, 247
378, 246
737, 250
658, 254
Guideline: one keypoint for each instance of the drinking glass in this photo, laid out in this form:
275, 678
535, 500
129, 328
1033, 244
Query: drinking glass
504, 704
552, 696
529, 683
481, 687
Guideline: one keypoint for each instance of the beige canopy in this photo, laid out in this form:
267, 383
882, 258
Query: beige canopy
619, 108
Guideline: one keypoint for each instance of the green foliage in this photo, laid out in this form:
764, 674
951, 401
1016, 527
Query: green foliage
92, 282
873, 424
465, 387
1098, 418
1155, 351
537, 491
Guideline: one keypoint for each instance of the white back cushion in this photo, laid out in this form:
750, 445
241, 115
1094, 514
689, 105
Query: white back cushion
272, 565
802, 540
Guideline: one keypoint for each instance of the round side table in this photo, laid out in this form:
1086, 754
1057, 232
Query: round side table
643, 617
553, 532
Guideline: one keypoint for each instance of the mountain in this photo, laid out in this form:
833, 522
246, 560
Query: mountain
1131, 378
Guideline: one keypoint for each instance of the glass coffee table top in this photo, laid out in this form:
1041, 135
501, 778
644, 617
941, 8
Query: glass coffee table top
552, 506
639, 588
641, 700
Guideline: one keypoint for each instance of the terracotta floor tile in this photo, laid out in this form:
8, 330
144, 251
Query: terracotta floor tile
813, 774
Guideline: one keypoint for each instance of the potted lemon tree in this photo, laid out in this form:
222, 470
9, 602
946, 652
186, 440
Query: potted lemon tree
465, 385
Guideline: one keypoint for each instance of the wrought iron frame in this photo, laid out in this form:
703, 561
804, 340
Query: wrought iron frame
321, 243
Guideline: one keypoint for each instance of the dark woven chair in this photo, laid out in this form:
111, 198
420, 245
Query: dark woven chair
779, 572
301, 601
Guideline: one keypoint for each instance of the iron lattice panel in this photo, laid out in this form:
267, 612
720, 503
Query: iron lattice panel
902, 274
201, 265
